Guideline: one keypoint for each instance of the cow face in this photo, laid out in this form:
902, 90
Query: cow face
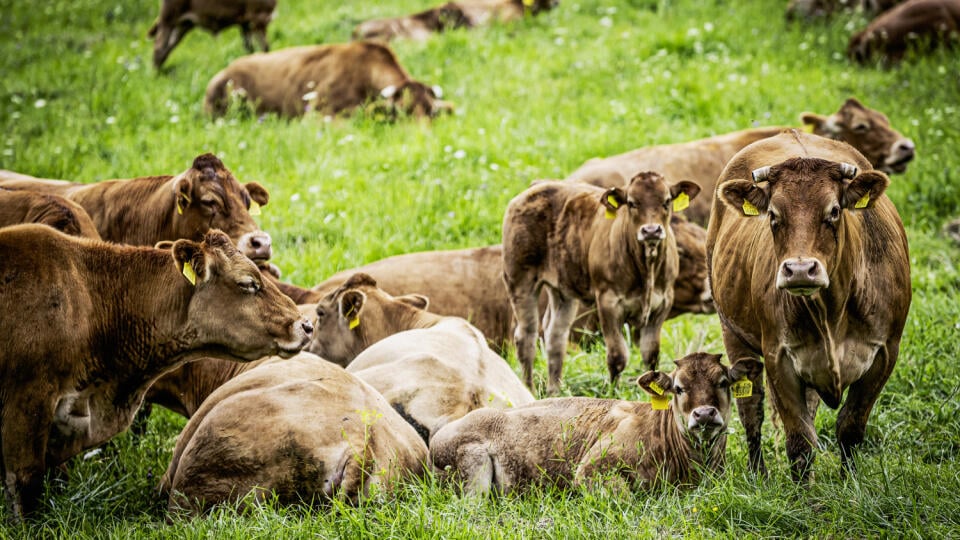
208, 196
416, 99
649, 202
264, 320
805, 201
869, 132
691, 293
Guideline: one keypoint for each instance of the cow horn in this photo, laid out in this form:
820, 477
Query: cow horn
761, 174
388, 91
848, 170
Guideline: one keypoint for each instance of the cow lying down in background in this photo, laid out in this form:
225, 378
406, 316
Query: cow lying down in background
24, 206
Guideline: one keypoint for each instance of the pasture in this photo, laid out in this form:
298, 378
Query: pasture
80, 100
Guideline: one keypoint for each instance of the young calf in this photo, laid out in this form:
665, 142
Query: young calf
567, 441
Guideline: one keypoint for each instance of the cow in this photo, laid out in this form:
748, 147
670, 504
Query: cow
574, 239
432, 369
809, 267
146, 210
676, 439
330, 79
449, 16
177, 17
302, 430
124, 315
21, 206
703, 160
915, 24
810, 9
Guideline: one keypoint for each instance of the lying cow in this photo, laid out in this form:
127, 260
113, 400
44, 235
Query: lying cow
568, 441
124, 315
921, 24
329, 79
702, 160
177, 17
432, 369
147, 210
574, 239
810, 269
449, 16
303, 430
21, 206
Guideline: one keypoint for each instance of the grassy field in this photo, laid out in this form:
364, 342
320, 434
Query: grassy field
80, 100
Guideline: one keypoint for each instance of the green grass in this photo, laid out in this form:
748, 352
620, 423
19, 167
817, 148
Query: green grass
80, 100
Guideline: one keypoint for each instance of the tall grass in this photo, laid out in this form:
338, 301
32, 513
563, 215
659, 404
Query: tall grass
80, 100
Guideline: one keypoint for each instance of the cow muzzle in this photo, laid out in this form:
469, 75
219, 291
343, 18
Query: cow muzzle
802, 277
257, 246
651, 234
901, 154
705, 419
300, 335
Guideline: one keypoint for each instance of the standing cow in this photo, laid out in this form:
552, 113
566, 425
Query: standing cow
809, 268
922, 24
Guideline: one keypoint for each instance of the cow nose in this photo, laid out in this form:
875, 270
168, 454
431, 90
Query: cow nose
802, 276
307, 327
257, 246
705, 416
651, 232
904, 149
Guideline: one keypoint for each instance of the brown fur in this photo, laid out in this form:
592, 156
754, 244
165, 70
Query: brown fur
123, 316
21, 206
809, 9
842, 329
703, 160
915, 23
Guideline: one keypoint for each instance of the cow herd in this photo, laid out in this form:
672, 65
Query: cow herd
164, 288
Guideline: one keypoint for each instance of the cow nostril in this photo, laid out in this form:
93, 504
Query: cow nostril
255, 244
787, 271
307, 327
813, 271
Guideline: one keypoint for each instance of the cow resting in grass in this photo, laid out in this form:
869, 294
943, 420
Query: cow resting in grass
330, 79
613, 247
570, 441
810, 270
432, 369
703, 160
124, 315
177, 17
920, 24
23, 206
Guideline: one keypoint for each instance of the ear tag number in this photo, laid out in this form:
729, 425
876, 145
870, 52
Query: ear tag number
749, 209
742, 388
659, 403
681, 202
656, 388
807, 128
863, 202
254, 208
189, 273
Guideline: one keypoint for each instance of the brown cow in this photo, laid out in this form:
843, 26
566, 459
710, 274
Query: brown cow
177, 17
809, 9
702, 160
330, 79
146, 210
568, 441
124, 316
432, 369
22, 206
449, 16
810, 269
302, 429
572, 239
921, 24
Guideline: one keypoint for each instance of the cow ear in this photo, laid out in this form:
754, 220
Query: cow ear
257, 193
746, 368
655, 383
812, 122
182, 190
682, 192
612, 199
418, 301
744, 196
190, 260
351, 304
864, 190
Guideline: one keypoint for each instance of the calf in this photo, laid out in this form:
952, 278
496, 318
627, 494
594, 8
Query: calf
924, 24
147, 210
432, 369
19, 206
810, 269
329, 79
702, 160
575, 240
177, 17
124, 315
564, 441
449, 16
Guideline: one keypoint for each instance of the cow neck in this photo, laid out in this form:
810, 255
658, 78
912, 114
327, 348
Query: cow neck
139, 211
397, 317
685, 454
642, 266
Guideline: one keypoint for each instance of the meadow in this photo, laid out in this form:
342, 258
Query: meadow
80, 100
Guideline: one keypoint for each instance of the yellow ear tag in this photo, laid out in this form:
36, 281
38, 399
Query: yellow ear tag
610, 214
189, 273
807, 128
742, 388
863, 202
660, 403
749, 209
254, 208
681, 202
528, 3
179, 208
354, 322
656, 388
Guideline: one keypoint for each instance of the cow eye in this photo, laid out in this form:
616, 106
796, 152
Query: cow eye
666, 204
249, 286
834, 214
862, 127
774, 220
723, 383
677, 390
321, 313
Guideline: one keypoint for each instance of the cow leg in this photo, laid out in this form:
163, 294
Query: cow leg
167, 38
789, 397
256, 32
562, 312
523, 297
862, 395
750, 408
24, 432
611, 323
650, 340
245, 32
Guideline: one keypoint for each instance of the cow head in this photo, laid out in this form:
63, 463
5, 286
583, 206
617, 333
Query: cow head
416, 99
869, 132
806, 201
699, 391
649, 203
207, 196
691, 292
262, 320
358, 314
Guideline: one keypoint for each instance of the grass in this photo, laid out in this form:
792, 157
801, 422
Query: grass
80, 100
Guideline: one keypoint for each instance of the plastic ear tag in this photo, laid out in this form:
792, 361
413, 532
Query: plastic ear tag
660, 403
354, 322
863, 202
189, 273
807, 128
254, 208
681, 202
749, 209
610, 214
742, 388
528, 3
179, 208
613, 201
656, 388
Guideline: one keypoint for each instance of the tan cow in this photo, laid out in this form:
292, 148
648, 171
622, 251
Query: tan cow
330, 79
449, 16
575, 240
177, 17
22, 206
122, 315
920, 24
146, 210
432, 369
569, 441
702, 160
810, 269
